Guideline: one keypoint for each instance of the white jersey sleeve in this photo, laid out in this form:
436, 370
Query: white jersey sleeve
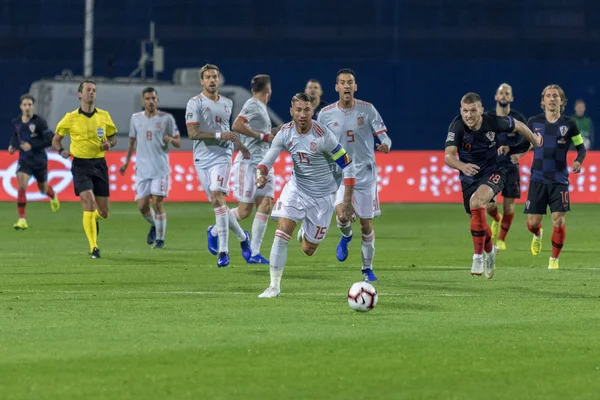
132, 131
376, 122
172, 130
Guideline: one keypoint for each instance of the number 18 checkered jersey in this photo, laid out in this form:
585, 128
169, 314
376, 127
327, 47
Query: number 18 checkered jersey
314, 155
355, 129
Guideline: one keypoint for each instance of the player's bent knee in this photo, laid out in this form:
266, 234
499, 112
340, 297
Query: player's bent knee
308, 248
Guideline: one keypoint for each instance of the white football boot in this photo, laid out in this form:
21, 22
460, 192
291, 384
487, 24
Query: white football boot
269, 293
477, 267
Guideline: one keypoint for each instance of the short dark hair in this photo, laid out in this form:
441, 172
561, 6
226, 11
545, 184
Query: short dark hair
471, 98
313, 81
345, 71
260, 82
206, 67
80, 88
580, 101
149, 89
27, 96
301, 96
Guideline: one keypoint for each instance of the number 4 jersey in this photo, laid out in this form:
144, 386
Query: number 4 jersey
356, 128
211, 116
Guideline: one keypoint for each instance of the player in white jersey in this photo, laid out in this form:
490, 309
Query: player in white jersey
150, 132
254, 124
355, 123
308, 195
207, 118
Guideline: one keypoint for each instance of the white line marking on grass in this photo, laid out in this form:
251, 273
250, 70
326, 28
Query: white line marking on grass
211, 293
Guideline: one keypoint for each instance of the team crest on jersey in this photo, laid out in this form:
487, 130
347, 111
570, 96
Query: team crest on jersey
490, 135
313, 146
226, 108
361, 120
336, 124
100, 132
32, 128
158, 125
563, 130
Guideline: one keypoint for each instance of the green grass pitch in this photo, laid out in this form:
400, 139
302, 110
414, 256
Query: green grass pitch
168, 324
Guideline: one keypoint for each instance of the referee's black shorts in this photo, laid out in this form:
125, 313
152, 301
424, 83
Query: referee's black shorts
90, 174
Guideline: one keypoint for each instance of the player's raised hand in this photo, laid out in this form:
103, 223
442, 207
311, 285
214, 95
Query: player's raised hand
25, 146
123, 168
261, 181
383, 147
576, 167
503, 150
11, 150
470, 169
232, 136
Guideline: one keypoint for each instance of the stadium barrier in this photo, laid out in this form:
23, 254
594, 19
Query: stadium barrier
403, 177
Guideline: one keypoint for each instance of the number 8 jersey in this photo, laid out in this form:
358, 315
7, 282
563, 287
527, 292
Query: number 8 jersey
355, 129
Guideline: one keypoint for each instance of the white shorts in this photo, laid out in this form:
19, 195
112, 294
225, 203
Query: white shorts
244, 182
365, 201
155, 187
315, 212
214, 179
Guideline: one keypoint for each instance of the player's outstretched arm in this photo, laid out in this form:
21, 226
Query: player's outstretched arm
240, 126
534, 138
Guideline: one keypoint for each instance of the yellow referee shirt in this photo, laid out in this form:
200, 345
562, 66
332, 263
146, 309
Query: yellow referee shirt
87, 132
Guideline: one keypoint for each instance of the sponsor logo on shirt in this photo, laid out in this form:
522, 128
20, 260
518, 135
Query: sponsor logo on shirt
100, 132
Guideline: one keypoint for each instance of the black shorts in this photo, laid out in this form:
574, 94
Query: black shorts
495, 180
512, 189
39, 171
541, 195
90, 174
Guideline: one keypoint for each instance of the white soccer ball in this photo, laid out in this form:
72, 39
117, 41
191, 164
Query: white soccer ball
362, 296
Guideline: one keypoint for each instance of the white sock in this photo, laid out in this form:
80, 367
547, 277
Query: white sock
161, 226
368, 250
234, 225
345, 228
278, 257
259, 227
222, 217
149, 217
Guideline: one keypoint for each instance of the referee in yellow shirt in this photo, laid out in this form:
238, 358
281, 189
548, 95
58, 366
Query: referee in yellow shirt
92, 134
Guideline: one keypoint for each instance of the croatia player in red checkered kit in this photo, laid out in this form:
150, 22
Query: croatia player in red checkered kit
308, 195
356, 123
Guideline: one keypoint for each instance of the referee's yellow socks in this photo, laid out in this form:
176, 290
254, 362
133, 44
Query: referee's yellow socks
89, 226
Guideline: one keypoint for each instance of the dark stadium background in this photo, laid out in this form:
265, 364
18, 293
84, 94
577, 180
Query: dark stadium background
413, 58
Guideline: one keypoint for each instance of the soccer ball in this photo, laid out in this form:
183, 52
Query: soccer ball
362, 296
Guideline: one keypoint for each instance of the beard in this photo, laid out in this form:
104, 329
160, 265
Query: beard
504, 104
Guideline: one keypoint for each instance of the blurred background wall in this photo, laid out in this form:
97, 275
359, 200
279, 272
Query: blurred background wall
414, 59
